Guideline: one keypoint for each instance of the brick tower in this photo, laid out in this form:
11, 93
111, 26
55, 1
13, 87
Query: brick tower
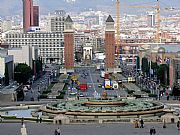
109, 45
69, 45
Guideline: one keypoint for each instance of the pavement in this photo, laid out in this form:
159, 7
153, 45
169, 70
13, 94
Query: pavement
88, 129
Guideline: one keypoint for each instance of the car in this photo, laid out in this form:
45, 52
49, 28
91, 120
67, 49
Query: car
81, 95
100, 85
90, 86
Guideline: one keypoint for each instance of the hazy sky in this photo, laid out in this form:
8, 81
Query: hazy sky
9, 7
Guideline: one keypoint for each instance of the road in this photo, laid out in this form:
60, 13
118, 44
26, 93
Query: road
37, 87
88, 129
92, 77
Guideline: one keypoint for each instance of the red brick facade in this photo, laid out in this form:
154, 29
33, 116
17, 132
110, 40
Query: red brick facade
69, 50
109, 48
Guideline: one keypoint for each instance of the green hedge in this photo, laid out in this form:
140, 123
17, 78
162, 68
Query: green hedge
147, 91
152, 95
61, 96
130, 91
43, 96
46, 92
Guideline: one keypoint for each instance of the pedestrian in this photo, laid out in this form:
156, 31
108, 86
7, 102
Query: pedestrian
178, 125
38, 98
37, 120
164, 124
136, 125
153, 131
141, 123
22, 120
40, 119
58, 131
1, 119
55, 132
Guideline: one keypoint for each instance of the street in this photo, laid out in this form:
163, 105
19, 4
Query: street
91, 77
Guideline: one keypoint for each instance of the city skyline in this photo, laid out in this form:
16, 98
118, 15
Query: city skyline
9, 7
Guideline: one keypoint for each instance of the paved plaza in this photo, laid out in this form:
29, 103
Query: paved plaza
88, 129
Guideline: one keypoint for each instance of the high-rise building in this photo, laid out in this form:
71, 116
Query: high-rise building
35, 15
69, 44
6, 25
50, 45
27, 14
109, 44
57, 21
151, 19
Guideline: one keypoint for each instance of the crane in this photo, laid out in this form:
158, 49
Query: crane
118, 48
158, 18
158, 22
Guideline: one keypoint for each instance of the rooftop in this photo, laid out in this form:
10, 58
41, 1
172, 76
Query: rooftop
68, 19
109, 19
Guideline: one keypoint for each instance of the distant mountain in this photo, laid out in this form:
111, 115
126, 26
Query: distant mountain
12, 7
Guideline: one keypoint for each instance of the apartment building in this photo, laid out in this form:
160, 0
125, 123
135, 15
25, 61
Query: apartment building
50, 45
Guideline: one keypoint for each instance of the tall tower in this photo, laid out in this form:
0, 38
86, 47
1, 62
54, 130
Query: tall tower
151, 19
35, 15
109, 44
27, 14
69, 45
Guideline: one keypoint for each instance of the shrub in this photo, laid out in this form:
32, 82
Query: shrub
43, 96
152, 95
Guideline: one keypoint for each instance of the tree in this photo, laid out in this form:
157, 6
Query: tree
6, 74
163, 74
37, 67
78, 56
154, 67
138, 63
145, 65
22, 73
176, 90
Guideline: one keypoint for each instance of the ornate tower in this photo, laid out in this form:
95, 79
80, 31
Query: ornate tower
69, 45
109, 44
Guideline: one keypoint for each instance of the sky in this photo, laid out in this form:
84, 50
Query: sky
13, 7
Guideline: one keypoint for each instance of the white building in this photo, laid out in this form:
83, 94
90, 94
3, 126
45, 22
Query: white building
151, 19
26, 54
79, 41
51, 45
6, 61
57, 21
6, 25
88, 52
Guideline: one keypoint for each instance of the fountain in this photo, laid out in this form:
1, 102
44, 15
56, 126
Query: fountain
105, 107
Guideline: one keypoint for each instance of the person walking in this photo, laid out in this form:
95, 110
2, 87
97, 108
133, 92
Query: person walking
22, 120
178, 125
141, 123
58, 131
55, 132
153, 131
164, 124
40, 119
23, 130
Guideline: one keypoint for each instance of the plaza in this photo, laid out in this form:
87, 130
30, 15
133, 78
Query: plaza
88, 129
